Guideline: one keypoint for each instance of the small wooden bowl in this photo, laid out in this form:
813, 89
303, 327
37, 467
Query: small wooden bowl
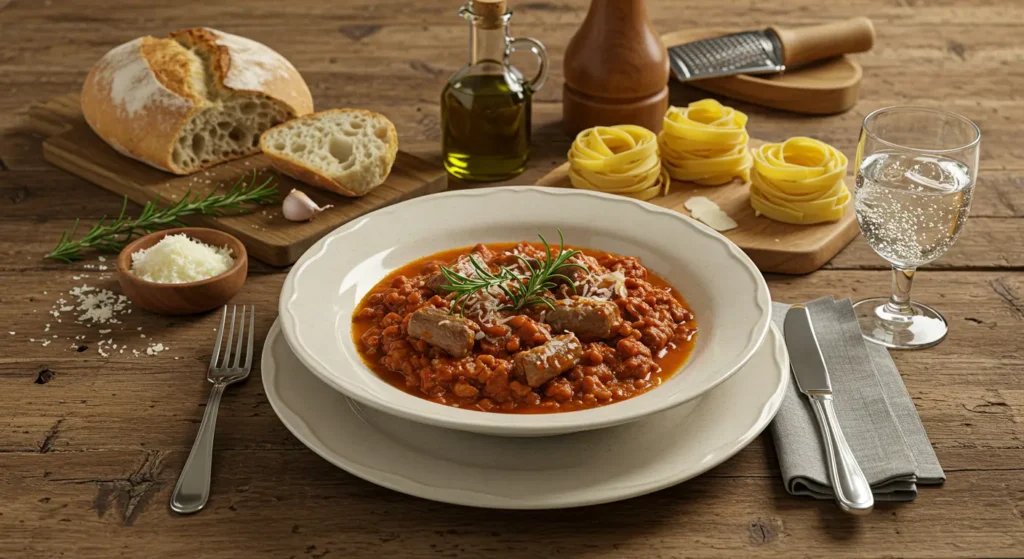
183, 298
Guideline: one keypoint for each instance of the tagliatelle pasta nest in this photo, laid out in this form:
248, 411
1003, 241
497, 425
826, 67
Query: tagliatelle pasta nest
799, 181
619, 159
705, 143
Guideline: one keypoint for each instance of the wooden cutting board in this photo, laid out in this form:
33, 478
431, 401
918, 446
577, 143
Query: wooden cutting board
74, 147
773, 246
826, 87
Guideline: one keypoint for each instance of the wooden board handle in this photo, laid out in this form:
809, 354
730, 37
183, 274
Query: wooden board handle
807, 44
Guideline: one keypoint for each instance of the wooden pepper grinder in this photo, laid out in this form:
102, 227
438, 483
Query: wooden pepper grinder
616, 69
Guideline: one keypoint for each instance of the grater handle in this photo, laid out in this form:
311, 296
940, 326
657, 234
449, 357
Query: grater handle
801, 45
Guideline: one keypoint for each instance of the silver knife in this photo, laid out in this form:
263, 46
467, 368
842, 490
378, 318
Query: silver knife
853, 493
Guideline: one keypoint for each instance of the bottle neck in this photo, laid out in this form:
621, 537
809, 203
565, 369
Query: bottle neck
487, 44
626, 9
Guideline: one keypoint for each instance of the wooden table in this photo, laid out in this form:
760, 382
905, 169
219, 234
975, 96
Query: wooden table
90, 447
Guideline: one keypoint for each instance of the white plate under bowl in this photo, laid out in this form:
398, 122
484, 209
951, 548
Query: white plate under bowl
526, 473
722, 286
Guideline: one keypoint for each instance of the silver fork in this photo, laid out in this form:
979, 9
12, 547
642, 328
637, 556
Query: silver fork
193, 487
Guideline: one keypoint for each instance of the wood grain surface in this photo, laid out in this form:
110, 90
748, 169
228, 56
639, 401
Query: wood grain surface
90, 447
774, 246
267, 235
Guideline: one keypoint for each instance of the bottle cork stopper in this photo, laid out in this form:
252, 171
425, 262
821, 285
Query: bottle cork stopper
490, 12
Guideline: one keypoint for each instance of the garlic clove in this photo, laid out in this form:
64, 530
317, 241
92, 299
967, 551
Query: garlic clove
297, 206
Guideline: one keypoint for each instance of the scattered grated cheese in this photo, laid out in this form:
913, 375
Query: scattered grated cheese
180, 259
603, 287
93, 306
98, 306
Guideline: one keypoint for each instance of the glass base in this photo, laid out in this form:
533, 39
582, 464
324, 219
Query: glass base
925, 328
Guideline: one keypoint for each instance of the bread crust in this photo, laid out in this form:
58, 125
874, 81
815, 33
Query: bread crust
297, 170
141, 94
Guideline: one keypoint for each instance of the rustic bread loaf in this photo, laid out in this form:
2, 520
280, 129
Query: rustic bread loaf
191, 100
348, 151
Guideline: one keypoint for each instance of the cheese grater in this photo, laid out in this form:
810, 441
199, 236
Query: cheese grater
769, 50
750, 52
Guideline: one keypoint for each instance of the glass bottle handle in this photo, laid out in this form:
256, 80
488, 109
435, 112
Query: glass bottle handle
537, 48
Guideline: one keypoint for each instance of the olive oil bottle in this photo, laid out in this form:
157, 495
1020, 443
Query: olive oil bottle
485, 106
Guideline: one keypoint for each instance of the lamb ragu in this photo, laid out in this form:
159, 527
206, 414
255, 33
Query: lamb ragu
524, 328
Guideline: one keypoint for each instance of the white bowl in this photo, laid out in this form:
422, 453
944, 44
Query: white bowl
723, 287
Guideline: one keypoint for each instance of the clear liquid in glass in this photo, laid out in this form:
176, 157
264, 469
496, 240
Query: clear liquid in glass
911, 208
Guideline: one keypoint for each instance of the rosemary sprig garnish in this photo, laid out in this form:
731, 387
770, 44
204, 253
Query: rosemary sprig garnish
113, 236
522, 291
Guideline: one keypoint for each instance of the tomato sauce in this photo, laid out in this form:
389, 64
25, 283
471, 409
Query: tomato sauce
653, 335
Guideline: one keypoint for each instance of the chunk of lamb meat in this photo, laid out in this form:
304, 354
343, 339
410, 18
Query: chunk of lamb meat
438, 328
435, 281
547, 361
589, 319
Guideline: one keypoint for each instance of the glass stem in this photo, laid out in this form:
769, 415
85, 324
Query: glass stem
899, 301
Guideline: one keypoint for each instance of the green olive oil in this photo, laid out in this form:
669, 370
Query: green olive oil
485, 106
486, 127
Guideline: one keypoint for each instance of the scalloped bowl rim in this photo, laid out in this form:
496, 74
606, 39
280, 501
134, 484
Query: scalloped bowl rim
328, 281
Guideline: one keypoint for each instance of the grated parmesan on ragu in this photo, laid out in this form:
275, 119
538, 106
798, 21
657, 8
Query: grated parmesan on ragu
603, 287
179, 259
464, 266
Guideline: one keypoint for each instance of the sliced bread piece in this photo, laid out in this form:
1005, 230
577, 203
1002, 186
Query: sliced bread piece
348, 151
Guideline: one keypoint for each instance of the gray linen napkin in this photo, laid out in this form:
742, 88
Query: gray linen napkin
876, 413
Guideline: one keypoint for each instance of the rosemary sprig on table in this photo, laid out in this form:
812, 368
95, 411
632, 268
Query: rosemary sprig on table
113, 236
521, 291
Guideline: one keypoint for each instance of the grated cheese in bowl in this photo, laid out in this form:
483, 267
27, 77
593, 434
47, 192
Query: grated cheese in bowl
180, 259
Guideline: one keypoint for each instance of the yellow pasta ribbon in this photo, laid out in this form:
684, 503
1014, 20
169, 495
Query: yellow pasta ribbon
799, 181
619, 159
705, 143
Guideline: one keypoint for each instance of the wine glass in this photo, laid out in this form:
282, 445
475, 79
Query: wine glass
916, 169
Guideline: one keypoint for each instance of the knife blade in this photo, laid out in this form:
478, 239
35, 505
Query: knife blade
852, 491
808, 365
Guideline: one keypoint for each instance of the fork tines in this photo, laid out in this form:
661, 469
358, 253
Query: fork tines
224, 364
